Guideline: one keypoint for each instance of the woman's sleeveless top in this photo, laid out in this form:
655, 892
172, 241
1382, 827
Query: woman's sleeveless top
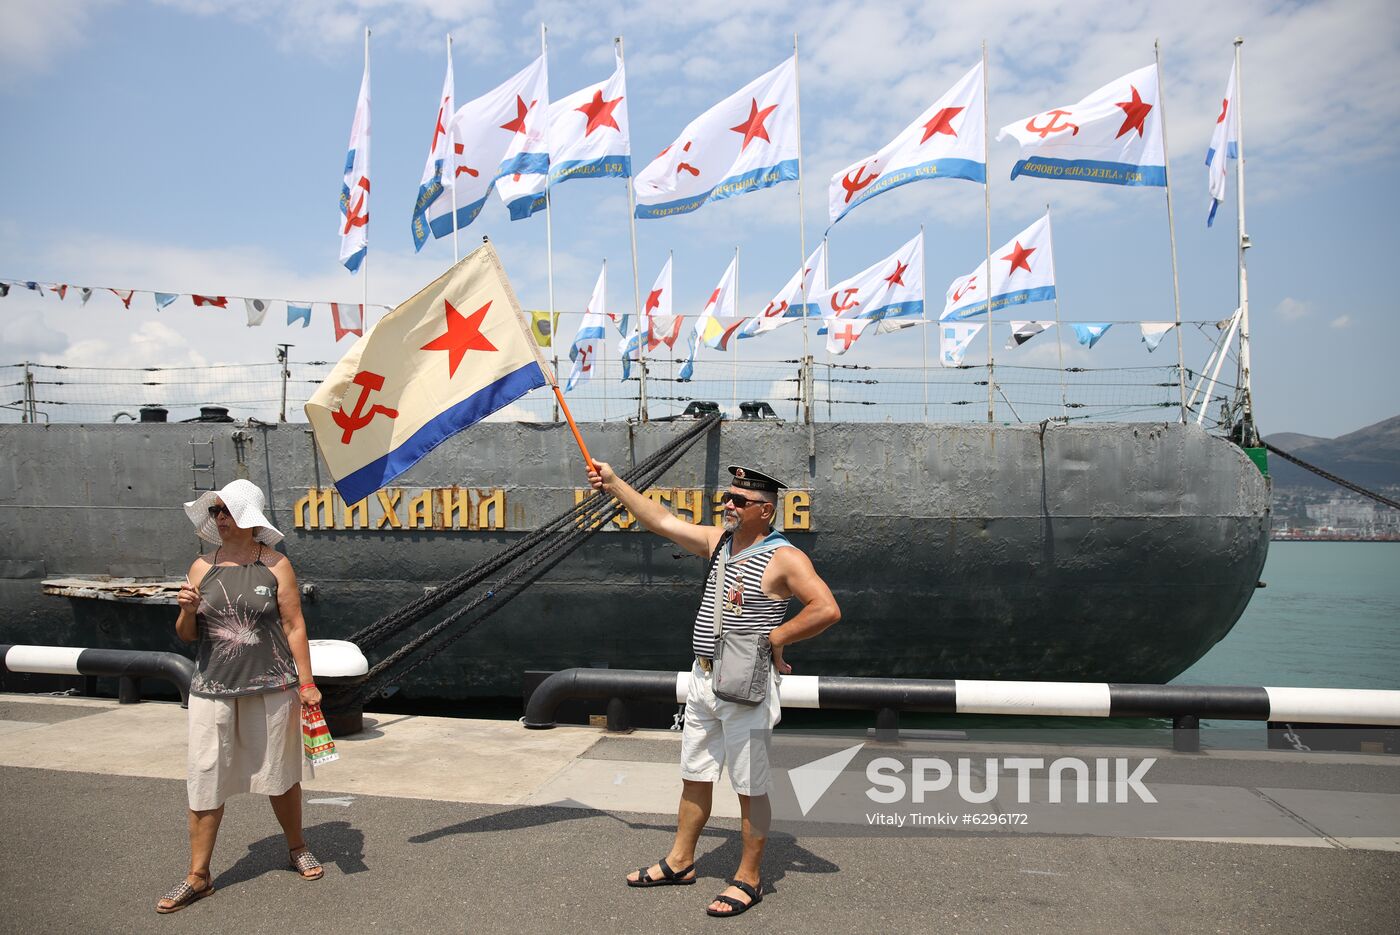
241, 649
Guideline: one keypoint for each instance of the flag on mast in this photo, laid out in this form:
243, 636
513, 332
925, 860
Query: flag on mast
662, 325
954, 338
501, 133
1024, 271
1224, 144
745, 142
443, 360
592, 332
787, 305
430, 189
1113, 136
716, 323
354, 188
946, 141
589, 138
892, 288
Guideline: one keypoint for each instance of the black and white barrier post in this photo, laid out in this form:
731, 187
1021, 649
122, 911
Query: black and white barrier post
1186, 705
127, 665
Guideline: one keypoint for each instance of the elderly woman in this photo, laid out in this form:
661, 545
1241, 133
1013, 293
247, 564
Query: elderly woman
241, 607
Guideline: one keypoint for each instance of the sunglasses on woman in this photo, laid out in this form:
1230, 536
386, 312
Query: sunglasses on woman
739, 501
218, 510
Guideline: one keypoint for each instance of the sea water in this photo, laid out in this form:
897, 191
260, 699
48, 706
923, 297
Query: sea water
1329, 618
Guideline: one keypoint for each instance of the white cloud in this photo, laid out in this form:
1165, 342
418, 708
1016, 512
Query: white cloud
1291, 309
1341, 321
36, 32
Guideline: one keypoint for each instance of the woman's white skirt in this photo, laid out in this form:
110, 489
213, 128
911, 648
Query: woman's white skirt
251, 743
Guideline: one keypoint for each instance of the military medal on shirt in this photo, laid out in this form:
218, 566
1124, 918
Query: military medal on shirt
734, 601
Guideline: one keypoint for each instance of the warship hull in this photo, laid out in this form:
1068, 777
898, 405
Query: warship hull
1098, 552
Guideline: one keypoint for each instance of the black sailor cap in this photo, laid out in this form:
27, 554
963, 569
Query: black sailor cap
747, 478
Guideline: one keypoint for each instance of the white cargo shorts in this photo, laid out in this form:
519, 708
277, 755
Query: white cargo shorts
719, 733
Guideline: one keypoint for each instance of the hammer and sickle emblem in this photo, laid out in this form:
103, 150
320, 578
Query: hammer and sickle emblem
352, 422
774, 310
357, 216
854, 185
1054, 126
963, 290
848, 300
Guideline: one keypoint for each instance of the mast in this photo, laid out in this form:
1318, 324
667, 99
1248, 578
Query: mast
636, 282
987, 200
802, 260
1171, 230
1248, 434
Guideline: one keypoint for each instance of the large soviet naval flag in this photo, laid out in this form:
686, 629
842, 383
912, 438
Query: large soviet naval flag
745, 142
1113, 136
1023, 271
448, 357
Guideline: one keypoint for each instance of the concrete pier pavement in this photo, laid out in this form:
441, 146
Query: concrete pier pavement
447, 825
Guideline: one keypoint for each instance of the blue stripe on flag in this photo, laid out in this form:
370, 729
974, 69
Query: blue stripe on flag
1038, 294
353, 261
1091, 170
619, 167
442, 224
524, 206
524, 164
933, 169
897, 310
583, 337
428, 192
357, 485
784, 171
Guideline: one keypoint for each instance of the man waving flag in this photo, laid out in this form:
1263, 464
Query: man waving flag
1224, 144
354, 190
745, 142
446, 358
946, 141
1113, 136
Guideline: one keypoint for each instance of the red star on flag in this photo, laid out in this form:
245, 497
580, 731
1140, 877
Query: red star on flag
897, 277
462, 335
518, 124
1018, 257
599, 112
753, 127
654, 300
941, 123
1135, 112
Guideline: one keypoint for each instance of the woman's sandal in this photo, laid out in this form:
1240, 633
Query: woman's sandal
669, 877
305, 863
755, 894
182, 894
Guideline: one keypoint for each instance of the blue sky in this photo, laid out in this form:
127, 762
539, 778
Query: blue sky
197, 145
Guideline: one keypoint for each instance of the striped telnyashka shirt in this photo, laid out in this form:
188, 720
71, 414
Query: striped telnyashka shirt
745, 606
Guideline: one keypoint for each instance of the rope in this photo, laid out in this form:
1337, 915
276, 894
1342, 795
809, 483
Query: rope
546, 547
1325, 475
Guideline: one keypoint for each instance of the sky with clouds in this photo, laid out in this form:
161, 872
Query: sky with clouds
197, 146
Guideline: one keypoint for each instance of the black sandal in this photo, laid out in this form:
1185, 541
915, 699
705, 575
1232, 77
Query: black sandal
755, 895
669, 877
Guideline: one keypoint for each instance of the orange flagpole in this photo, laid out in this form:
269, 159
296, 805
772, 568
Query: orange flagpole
573, 427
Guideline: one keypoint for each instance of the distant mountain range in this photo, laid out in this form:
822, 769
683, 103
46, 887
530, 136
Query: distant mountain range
1369, 457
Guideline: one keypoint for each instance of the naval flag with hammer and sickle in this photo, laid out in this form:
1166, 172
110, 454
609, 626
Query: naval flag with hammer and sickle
453, 354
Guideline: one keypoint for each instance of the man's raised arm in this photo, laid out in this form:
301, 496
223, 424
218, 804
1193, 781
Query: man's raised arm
696, 539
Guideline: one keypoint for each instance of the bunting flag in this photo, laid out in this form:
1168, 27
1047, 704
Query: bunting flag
430, 187
347, 319
663, 329
542, 327
1153, 332
592, 332
164, 298
745, 142
946, 141
1023, 331
1224, 144
1113, 136
218, 301
787, 306
300, 313
443, 360
954, 338
354, 189
257, 311
588, 139
125, 296
85, 293
501, 133
35, 287
892, 288
1024, 271
61, 289
4, 289
841, 333
627, 351
1088, 333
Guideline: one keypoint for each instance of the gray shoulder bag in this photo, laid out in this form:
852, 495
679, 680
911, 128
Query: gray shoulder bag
742, 659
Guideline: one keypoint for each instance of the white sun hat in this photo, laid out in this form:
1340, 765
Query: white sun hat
245, 504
